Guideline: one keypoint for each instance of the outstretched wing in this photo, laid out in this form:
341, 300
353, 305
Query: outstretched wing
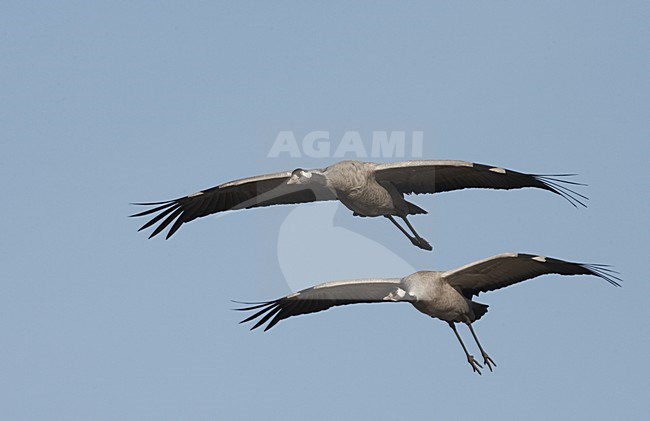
440, 176
510, 268
252, 192
324, 296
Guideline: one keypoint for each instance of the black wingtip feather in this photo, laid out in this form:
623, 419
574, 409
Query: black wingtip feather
157, 218
266, 317
602, 272
254, 307
273, 322
268, 310
150, 203
173, 207
172, 216
152, 210
257, 314
174, 228
558, 186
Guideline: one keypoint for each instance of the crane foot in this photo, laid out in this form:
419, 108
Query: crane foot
421, 243
475, 364
489, 362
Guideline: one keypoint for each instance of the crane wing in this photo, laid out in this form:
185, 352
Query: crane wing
251, 192
324, 296
510, 268
439, 176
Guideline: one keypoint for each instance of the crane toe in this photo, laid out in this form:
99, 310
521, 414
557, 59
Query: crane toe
421, 243
475, 364
489, 362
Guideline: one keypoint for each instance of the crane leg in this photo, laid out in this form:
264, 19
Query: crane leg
486, 358
416, 242
415, 239
423, 243
470, 358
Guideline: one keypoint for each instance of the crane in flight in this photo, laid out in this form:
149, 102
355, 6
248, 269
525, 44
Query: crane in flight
367, 189
447, 296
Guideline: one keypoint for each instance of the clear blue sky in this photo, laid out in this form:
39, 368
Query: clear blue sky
104, 104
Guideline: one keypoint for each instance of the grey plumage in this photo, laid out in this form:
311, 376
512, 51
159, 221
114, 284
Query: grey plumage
368, 189
443, 295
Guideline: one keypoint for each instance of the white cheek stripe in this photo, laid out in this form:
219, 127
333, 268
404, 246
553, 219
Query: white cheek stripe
499, 170
540, 259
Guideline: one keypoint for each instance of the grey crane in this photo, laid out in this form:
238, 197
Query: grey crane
368, 189
443, 295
